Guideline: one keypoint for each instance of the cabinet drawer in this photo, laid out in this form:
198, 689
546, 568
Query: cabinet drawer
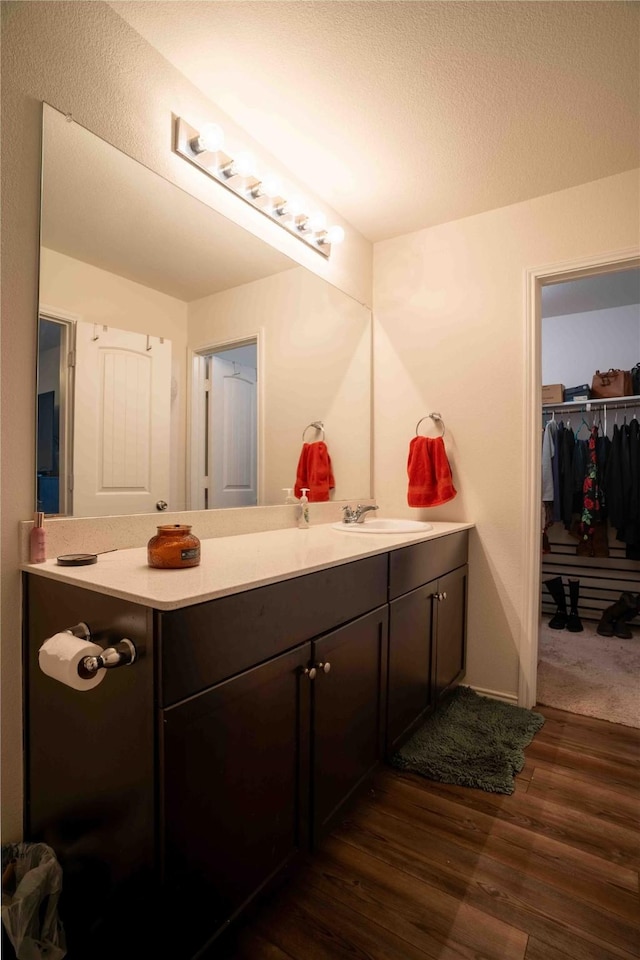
206, 643
421, 562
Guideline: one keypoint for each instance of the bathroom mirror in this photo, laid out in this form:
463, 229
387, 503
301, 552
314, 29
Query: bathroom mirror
182, 361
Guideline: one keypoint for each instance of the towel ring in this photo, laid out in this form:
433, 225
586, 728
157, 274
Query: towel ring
317, 425
436, 418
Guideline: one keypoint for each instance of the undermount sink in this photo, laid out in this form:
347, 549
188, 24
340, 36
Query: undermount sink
382, 525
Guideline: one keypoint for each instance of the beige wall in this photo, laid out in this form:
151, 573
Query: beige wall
83, 59
449, 322
316, 353
97, 296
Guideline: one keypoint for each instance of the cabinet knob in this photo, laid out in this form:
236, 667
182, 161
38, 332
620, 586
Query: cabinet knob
444, 595
309, 672
325, 667
440, 596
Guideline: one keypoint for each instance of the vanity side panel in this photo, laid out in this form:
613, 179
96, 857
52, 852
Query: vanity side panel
90, 783
206, 643
410, 567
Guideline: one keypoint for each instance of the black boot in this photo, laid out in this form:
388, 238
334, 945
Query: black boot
620, 627
625, 607
574, 623
559, 620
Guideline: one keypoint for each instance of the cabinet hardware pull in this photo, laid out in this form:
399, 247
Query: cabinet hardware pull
440, 596
309, 672
325, 667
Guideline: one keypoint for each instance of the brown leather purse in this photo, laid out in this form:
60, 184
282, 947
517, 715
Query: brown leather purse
613, 383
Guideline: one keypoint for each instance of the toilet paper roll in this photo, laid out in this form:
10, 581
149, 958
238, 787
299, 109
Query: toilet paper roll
60, 655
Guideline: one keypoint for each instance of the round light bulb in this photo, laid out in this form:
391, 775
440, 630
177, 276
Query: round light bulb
211, 138
334, 235
243, 164
294, 205
317, 222
271, 186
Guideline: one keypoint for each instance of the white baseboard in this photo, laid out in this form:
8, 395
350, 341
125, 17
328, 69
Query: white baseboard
497, 695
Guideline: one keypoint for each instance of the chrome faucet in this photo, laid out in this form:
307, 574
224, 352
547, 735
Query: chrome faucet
356, 514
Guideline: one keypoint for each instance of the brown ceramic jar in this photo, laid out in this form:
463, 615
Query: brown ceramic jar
173, 546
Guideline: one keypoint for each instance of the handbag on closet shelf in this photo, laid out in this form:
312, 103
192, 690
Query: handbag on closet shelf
613, 383
635, 378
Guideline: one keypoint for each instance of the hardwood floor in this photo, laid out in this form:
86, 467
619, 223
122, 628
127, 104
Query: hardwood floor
427, 870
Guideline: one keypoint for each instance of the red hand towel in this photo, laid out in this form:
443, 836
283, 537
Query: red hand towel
430, 480
315, 472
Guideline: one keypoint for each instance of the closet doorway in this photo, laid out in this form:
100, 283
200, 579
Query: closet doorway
588, 323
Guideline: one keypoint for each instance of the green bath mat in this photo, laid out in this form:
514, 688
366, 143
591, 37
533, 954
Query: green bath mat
471, 741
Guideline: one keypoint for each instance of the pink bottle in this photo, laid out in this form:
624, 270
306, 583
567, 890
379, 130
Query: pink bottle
37, 540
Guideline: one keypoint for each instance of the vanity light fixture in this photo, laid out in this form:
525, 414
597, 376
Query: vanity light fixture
332, 235
209, 140
204, 148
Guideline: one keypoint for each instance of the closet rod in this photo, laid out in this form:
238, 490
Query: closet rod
597, 403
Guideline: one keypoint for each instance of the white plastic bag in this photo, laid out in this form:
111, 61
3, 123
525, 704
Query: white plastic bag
31, 887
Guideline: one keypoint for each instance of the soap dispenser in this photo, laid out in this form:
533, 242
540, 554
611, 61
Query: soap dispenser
303, 514
289, 495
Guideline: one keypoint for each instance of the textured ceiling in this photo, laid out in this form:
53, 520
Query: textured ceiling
402, 115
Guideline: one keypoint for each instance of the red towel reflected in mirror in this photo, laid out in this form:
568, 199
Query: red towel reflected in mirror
315, 472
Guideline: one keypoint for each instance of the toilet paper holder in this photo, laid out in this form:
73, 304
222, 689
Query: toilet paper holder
121, 654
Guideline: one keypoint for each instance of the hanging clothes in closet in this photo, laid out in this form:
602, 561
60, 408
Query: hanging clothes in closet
622, 486
590, 481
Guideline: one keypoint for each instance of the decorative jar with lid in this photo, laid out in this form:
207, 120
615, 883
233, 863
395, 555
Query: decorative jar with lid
173, 546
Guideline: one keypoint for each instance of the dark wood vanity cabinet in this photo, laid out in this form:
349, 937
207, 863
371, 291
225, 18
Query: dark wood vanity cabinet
223, 753
184, 785
427, 630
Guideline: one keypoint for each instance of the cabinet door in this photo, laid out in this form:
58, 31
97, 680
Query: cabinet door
235, 779
348, 712
451, 631
410, 663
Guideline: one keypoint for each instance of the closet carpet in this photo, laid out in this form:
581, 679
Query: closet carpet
591, 675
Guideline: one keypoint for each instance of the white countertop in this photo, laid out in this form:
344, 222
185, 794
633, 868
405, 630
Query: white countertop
231, 564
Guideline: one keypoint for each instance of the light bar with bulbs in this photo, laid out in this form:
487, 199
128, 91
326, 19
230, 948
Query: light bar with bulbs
204, 148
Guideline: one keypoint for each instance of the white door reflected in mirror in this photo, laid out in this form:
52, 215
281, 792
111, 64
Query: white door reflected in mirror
103, 419
121, 436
